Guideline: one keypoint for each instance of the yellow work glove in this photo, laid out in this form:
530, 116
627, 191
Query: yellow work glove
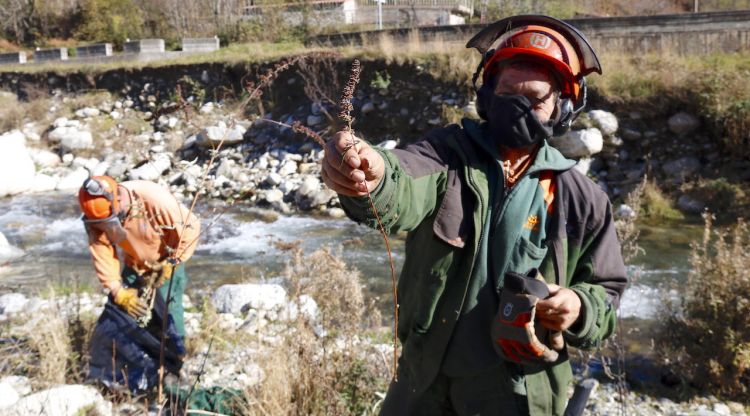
165, 269
127, 299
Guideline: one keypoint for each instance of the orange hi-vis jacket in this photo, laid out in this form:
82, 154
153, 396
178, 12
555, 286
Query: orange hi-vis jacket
157, 227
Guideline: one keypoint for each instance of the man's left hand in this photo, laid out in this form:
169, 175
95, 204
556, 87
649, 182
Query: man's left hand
560, 310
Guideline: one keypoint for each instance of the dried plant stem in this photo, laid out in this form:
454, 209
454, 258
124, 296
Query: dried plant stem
393, 282
345, 109
299, 128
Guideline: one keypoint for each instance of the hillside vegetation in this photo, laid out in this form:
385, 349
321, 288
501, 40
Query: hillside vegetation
25, 24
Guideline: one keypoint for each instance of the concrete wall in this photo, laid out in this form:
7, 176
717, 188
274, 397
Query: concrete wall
689, 33
57, 54
100, 49
200, 44
144, 46
13, 58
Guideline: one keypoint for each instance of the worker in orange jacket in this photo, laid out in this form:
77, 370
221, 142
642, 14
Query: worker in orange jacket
155, 234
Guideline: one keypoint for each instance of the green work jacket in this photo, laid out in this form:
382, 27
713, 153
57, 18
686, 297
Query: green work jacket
438, 191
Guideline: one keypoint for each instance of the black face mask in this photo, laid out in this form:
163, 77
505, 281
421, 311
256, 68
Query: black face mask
513, 124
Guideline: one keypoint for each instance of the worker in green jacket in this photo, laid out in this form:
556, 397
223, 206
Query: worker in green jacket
511, 255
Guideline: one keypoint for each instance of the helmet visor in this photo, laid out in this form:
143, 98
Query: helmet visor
110, 226
94, 188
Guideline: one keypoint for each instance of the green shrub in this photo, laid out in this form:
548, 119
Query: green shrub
708, 341
110, 21
656, 206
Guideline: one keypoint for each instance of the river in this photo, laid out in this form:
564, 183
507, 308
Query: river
239, 246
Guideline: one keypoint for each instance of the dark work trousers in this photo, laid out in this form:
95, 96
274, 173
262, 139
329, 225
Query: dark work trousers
483, 394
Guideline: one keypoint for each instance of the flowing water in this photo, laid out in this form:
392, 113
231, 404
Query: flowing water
239, 246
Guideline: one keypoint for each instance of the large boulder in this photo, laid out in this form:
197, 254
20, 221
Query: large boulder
44, 183
605, 121
16, 166
241, 297
66, 400
45, 158
579, 143
71, 138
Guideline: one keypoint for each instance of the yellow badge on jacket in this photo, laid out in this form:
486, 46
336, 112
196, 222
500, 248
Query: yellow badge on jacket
532, 223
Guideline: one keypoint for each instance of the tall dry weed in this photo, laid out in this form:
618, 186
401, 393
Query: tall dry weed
336, 372
708, 328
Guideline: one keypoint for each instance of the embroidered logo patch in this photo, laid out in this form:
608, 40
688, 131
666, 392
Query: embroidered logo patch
532, 223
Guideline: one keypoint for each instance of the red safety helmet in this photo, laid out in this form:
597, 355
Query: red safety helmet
98, 198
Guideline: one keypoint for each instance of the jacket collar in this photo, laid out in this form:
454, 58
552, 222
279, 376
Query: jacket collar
547, 158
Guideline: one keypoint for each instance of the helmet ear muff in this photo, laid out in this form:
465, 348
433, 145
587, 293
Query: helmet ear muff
565, 116
568, 110
484, 93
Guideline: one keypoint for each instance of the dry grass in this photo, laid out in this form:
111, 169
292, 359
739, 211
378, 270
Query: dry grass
709, 326
50, 347
338, 372
14, 113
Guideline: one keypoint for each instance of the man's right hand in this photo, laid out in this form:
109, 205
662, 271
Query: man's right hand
355, 172
127, 298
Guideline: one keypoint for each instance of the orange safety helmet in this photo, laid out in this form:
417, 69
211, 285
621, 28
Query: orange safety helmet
543, 44
540, 38
98, 198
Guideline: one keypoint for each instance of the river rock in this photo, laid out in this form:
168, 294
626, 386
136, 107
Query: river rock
8, 395
681, 168
388, 144
12, 303
17, 169
583, 165
71, 138
87, 112
314, 120
8, 251
238, 298
21, 384
310, 185
579, 143
336, 213
44, 183
683, 123
152, 170
630, 135
44, 158
212, 136
274, 179
605, 121
66, 400
73, 180
273, 195
625, 211
690, 205
287, 168
368, 107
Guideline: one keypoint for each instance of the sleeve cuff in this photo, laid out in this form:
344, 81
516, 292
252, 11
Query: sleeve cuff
580, 332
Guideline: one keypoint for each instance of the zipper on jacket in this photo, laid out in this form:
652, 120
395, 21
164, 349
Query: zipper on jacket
479, 243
